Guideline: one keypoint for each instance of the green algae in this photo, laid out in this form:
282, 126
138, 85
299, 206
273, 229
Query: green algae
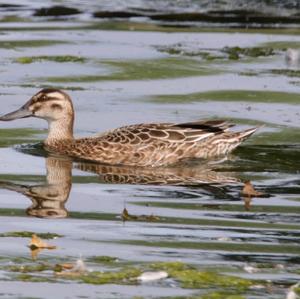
221, 295
124, 276
12, 44
220, 207
40, 267
180, 49
14, 19
285, 135
218, 246
58, 58
212, 295
226, 53
185, 275
56, 10
33, 278
14, 136
164, 68
41, 86
235, 53
103, 259
28, 234
254, 96
275, 152
285, 72
125, 25
192, 278
169, 266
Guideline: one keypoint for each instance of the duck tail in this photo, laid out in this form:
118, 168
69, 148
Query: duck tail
234, 140
247, 133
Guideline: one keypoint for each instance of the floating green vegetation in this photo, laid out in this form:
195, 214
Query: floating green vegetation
185, 275
165, 68
217, 246
28, 234
220, 207
40, 267
227, 53
140, 26
221, 295
249, 73
235, 53
232, 96
32, 278
11, 44
103, 259
285, 72
12, 212
169, 266
7, 178
10, 137
283, 136
58, 58
14, 133
14, 19
180, 49
40, 86
192, 278
57, 10
124, 276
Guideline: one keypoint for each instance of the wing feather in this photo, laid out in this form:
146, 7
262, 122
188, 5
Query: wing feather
166, 133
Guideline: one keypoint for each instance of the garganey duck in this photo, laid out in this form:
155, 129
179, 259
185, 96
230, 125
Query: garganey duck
154, 144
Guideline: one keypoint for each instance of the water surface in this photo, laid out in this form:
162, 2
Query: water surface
194, 214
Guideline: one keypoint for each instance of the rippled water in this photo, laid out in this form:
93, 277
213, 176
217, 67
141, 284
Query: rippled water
124, 72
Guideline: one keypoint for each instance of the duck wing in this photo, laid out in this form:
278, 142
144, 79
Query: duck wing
142, 134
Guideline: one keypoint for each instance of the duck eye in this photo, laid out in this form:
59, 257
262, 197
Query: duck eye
56, 107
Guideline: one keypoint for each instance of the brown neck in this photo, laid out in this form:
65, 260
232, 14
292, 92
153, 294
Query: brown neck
60, 130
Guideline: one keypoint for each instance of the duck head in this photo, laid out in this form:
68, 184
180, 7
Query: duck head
52, 105
48, 104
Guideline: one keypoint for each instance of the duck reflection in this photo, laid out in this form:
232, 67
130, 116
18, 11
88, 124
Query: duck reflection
49, 199
180, 175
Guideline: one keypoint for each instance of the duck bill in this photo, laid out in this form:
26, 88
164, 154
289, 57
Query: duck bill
20, 113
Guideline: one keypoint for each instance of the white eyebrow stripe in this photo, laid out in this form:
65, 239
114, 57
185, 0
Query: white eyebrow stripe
55, 94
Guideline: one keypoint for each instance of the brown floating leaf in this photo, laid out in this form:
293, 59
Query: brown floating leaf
127, 217
249, 190
38, 243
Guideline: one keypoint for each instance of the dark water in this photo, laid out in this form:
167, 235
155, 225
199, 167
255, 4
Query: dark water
137, 69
